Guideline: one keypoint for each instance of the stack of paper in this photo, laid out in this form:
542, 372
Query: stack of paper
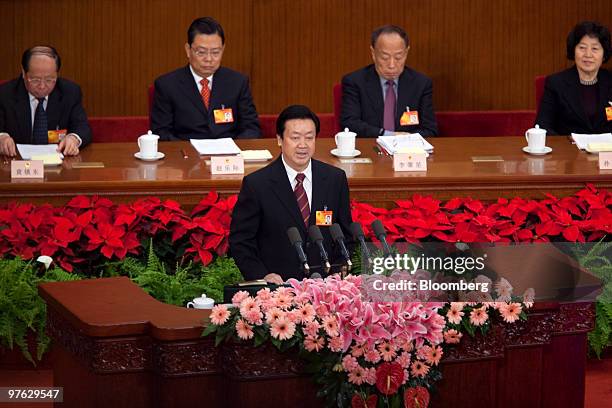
256, 155
26, 151
210, 147
582, 141
404, 142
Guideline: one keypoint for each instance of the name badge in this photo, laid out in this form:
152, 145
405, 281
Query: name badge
223, 115
55, 136
27, 169
410, 162
609, 113
324, 218
409, 118
605, 160
226, 165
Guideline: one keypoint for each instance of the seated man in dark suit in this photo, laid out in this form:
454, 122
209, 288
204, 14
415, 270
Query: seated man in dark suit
388, 97
40, 108
289, 192
204, 100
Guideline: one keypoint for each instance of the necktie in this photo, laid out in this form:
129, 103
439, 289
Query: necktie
39, 128
302, 198
205, 92
389, 115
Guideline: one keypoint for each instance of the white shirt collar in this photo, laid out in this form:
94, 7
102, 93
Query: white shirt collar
198, 78
33, 98
291, 173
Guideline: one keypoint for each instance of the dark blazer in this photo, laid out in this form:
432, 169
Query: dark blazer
561, 111
64, 111
267, 207
178, 112
363, 102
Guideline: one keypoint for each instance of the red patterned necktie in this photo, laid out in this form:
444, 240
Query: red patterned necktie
205, 92
302, 198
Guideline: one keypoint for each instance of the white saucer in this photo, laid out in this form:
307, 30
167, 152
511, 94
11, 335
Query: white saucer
160, 155
539, 152
336, 153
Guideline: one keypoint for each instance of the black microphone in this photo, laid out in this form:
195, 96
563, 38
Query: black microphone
338, 237
358, 235
315, 275
296, 240
381, 234
315, 236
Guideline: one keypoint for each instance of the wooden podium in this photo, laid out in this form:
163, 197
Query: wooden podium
115, 346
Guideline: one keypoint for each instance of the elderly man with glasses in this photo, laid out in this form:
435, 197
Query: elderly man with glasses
41, 108
204, 100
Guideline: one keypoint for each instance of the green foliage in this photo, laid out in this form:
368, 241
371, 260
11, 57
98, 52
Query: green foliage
597, 259
21, 309
181, 283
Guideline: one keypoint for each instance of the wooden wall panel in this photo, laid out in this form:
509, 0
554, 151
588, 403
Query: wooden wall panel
481, 54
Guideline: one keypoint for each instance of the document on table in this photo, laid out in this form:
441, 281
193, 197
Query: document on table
582, 141
403, 142
210, 147
256, 155
26, 151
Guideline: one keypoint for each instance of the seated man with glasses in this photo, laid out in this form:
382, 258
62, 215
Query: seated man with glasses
387, 97
204, 100
40, 108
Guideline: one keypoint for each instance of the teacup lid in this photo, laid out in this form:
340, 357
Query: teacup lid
204, 299
537, 129
150, 134
346, 131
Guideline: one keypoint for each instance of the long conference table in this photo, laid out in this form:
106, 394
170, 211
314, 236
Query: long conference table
464, 166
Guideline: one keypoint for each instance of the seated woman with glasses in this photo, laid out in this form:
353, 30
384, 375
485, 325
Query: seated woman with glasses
579, 99
40, 108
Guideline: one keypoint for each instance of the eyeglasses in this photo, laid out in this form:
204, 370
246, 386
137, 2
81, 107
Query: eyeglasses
38, 81
203, 52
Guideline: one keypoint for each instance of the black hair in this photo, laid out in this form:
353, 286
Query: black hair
40, 50
389, 29
591, 29
204, 25
296, 112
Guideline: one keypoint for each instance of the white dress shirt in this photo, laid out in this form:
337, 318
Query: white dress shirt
307, 183
198, 78
34, 105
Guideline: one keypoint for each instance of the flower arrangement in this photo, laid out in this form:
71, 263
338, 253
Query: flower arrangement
87, 232
363, 353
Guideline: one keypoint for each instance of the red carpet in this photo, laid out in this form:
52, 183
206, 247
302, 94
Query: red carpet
598, 383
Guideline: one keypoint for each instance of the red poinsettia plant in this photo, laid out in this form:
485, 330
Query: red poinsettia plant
583, 217
88, 231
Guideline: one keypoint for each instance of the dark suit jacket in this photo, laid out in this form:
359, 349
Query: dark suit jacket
64, 111
363, 102
561, 111
178, 112
267, 207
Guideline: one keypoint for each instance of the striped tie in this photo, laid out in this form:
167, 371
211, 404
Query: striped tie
302, 198
205, 92
39, 127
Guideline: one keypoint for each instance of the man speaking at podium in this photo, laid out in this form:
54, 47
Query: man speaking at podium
293, 191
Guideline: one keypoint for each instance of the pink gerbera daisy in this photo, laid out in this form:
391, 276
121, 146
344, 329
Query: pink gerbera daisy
282, 329
314, 343
454, 316
433, 355
357, 376
387, 351
219, 315
306, 314
274, 314
452, 336
478, 317
510, 311
330, 325
372, 356
239, 297
244, 330
357, 350
419, 369
336, 343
